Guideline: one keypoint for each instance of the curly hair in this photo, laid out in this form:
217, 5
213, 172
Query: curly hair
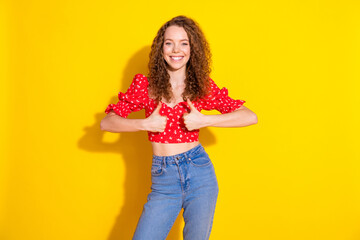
198, 67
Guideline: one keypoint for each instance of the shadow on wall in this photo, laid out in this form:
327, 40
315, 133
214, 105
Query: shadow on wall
136, 152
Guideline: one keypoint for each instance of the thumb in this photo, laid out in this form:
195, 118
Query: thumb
157, 109
192, 107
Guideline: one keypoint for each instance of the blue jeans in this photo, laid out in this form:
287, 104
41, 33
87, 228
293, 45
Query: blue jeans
186, 180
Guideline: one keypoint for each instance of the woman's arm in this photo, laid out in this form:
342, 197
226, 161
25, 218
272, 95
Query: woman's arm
239, 118
115, 123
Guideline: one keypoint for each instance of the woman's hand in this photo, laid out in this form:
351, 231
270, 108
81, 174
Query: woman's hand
194, 119
155, 122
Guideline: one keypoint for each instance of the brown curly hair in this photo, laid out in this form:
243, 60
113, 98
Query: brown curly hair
198, 67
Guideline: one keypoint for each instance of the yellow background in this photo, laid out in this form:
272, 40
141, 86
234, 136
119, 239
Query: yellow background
293, 176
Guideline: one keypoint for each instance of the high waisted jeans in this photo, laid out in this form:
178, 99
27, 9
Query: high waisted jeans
186, 180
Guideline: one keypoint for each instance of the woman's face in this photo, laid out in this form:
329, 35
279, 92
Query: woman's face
176, 49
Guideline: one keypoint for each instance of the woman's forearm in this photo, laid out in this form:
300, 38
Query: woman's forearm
115, 123
238, 118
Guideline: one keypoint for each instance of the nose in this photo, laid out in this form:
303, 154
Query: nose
175, 49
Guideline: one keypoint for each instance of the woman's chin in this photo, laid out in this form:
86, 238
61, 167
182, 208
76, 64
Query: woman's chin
174, 68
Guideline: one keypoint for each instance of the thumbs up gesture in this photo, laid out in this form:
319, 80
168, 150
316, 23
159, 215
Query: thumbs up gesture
194, 119
155, 122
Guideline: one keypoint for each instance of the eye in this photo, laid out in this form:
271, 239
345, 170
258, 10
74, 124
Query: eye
185, 44
167, 43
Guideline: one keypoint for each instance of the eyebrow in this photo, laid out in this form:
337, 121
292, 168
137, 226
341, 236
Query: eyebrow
180, 40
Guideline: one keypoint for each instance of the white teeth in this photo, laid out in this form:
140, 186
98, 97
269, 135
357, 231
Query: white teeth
176, 58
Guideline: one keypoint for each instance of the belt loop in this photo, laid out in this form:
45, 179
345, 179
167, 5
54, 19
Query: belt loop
186, 157
164, 162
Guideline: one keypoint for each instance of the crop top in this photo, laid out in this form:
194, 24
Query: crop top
136, 98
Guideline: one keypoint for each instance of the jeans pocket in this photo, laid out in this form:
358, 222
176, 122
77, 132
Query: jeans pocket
156, 169
200, 160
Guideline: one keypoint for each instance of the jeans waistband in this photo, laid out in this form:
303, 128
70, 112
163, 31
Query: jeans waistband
178, 157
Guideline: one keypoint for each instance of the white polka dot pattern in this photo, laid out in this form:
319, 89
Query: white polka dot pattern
136, 98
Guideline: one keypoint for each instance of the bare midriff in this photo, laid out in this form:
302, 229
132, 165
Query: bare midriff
168, 149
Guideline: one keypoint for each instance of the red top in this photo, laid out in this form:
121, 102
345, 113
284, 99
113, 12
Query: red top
136, 98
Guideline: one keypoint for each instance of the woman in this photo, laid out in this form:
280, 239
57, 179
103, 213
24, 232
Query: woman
177, 88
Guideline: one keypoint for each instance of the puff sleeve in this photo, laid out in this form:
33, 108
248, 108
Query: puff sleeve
219, 100
134, 99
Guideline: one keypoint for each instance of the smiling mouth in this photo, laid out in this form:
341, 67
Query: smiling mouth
177, 58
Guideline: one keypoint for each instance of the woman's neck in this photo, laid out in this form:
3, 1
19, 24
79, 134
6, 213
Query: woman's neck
177, 78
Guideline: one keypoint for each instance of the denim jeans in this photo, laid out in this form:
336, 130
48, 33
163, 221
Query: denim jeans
186, 180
